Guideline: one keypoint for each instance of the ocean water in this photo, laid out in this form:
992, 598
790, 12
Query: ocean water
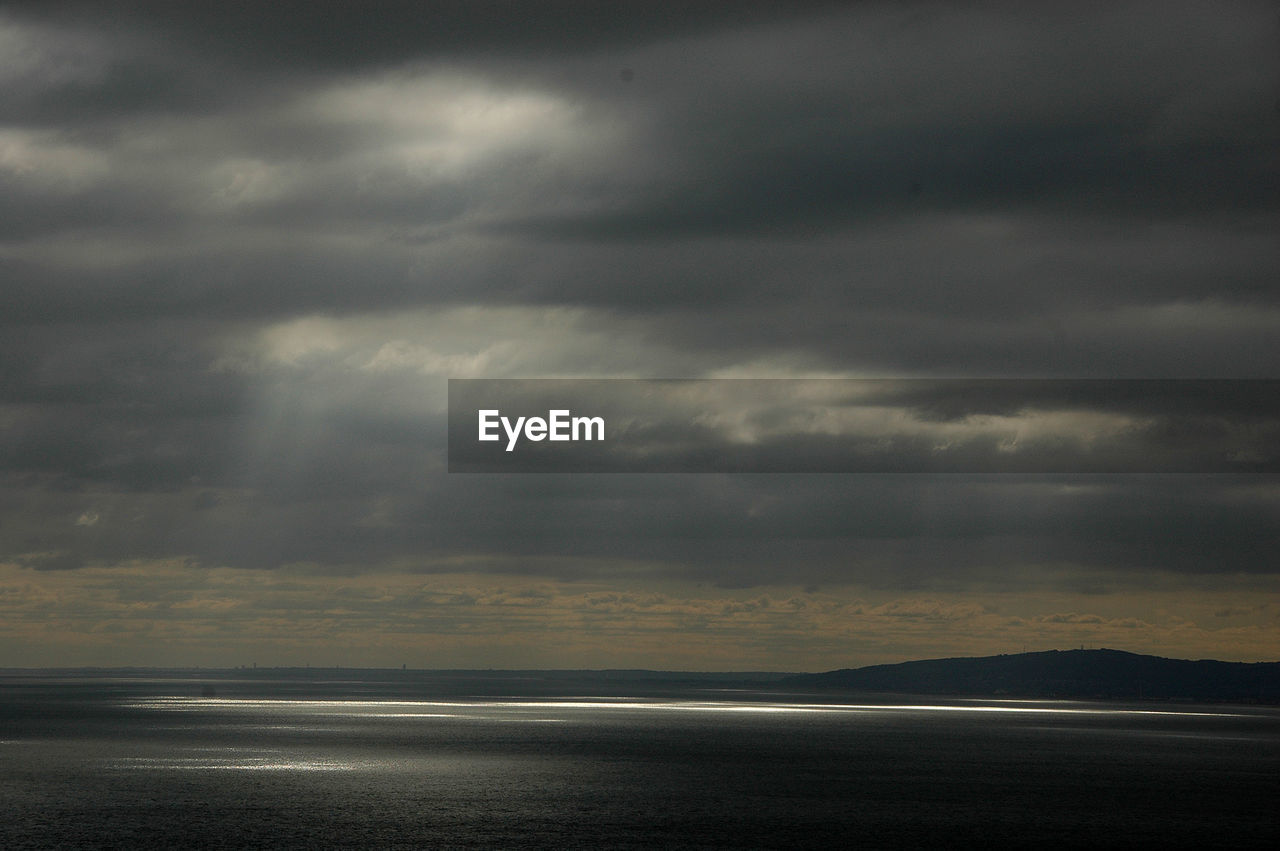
139, 763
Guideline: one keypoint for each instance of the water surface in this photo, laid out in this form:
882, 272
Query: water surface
127, 762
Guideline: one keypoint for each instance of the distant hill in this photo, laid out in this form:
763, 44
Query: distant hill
1069, 673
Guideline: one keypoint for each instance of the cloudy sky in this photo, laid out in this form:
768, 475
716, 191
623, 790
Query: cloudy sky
243, 246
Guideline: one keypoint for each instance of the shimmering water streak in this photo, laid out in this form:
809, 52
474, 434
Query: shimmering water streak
416, 708
242, 763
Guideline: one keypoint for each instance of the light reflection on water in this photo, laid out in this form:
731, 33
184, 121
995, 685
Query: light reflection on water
237, 763
495, 709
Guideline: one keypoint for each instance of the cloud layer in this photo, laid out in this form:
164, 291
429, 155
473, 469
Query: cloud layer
242, 248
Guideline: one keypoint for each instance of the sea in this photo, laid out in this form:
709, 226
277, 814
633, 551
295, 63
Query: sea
504, 761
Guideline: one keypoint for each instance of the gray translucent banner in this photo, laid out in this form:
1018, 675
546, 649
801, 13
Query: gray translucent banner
863, 426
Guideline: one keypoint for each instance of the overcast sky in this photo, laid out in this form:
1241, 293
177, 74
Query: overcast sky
243, 246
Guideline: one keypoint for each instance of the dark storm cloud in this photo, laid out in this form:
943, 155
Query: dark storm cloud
342, 36
897, 532
92, 61
241, 245
956, 400
1015, 161
878, 113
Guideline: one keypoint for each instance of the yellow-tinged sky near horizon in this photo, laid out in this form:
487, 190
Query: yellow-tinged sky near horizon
173, 614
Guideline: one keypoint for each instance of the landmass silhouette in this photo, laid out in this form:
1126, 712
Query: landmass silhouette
1070, 673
